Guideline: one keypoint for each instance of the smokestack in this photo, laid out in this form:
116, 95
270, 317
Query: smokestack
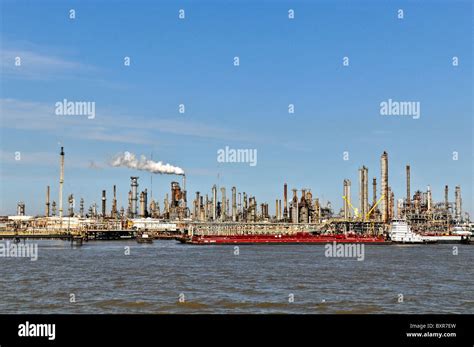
143, 204
245, 207
223, 204
167, 204
276, 209
46, 213
134, 197
363, 191
317, 208
81, 208
384, 188
103, 204
206, 207
285, 201
129, 208
202, 211
344, 194
458, 203
374, 188
366, 191
408, 188
446, 202
61, 182
391, 204
114, 204
185, 200
294, 207
145, 195
152, 208
234, 204
279, 209
197, 206
71, 205
214, 202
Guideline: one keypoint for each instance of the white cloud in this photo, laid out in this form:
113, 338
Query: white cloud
108, 126
37, 65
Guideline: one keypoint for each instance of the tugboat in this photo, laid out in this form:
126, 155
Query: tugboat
144, 238
401, 233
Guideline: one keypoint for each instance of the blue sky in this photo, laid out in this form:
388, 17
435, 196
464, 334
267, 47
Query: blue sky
190, 61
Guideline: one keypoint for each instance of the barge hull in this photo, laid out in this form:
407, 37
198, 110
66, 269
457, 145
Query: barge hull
306, 239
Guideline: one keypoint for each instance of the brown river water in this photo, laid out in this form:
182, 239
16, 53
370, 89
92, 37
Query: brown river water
167, 277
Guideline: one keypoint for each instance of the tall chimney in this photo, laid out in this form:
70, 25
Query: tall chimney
167, 204
344, 195
104, 211
202, 212
361, 191
234, 204
276, 209
206, 207
408, 188
366, 191
446, 202
143, 202
61, 182
197, 206
223, 204
245, 207
46, 213
294, 207
71, 205
185, 199
129, 208
134, 185
374, 188
114, 203
145, 196
391, 204
285, 201
214, 202
384, 188
458, 203
81, 208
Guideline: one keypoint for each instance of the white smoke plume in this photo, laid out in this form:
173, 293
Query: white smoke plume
127, 159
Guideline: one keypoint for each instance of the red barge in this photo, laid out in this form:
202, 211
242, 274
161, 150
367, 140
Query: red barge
298, 238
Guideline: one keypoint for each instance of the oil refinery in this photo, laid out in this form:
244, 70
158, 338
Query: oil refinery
215, 213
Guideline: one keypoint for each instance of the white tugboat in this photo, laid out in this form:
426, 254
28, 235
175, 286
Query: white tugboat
401, 233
